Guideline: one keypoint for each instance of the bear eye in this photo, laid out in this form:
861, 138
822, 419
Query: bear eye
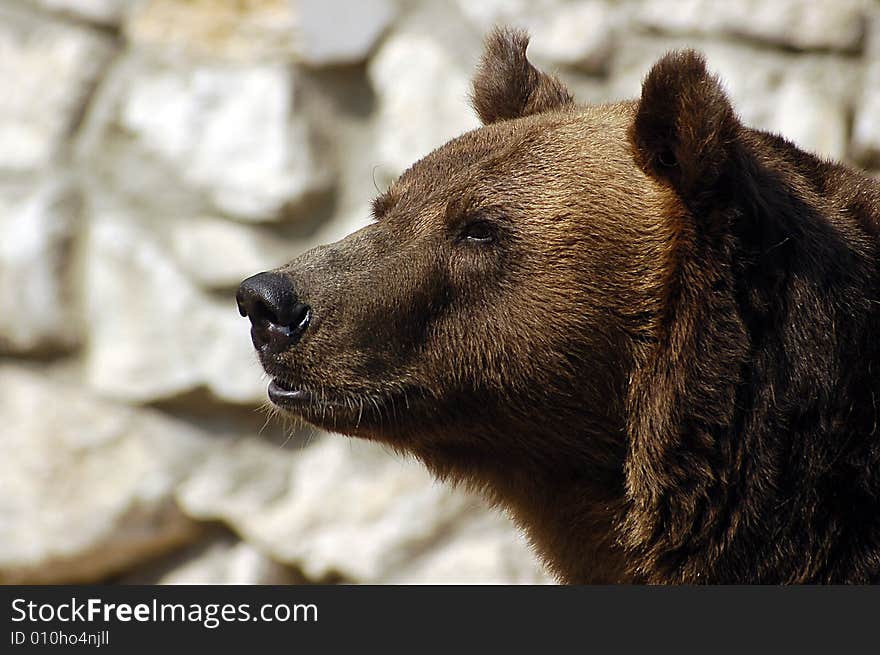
479, 231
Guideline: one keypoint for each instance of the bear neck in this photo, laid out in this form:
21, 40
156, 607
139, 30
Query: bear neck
568, 501
573, 525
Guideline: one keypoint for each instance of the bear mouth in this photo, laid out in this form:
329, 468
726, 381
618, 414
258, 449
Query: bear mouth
302, 401
355, 413
327, 410
288, 396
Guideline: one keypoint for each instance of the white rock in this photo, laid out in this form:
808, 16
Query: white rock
523, 14
251, 31
485, 550
341, 31
578, 35
102, 12
217, 561
48, 70
85, 485
316, 32
229, 132
866, 130
802, 24
152, 333
38, 312
810, 117
348, 507
423, 100
219, 254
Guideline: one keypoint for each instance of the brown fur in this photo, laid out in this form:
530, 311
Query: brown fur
646, 330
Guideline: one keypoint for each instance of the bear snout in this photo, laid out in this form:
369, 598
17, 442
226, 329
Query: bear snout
278, 319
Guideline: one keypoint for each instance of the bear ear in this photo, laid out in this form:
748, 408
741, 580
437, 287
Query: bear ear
506, 84
685, 128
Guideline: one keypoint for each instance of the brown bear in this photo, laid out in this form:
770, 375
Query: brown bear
648, 331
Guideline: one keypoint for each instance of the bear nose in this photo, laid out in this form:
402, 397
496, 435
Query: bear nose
278, 319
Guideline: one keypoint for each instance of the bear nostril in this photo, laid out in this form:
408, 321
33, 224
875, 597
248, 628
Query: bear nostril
278, 319
300, 317
296, 322
261, 313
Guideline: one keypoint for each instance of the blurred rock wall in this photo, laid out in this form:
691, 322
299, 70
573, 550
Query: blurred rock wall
153, 153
